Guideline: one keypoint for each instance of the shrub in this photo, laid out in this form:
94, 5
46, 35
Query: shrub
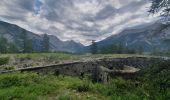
84, 86
9, 68
64, 97
25, 86
4, 60
120, 86
9, 80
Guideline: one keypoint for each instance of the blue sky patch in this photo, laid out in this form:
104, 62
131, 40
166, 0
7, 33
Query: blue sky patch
38, 4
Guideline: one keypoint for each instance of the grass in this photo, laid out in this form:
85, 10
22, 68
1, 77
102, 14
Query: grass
39, 59
62, 56
4, 60
152, 84
67, 56
31, 86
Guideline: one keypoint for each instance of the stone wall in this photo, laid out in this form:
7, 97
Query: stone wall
100, 70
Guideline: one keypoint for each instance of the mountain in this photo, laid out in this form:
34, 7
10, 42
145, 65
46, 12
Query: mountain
68, 46
12, 33
150, 37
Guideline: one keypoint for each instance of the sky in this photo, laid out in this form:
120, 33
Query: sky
78, 20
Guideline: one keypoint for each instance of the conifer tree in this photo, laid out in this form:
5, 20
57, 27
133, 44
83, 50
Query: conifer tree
45, 43
94, 47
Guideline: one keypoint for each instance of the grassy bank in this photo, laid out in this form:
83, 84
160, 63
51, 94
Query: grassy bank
67, 56
152, 84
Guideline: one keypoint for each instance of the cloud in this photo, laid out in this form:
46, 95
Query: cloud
78, 20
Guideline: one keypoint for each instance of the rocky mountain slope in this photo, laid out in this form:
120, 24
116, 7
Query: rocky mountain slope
12, 33
150, 37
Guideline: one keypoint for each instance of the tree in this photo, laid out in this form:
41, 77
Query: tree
167, 42
118, 48
12, 48
29, 46
45, 43
26, 43
108, 49
94, 47
7, 47
3, 45
162, 6
140, 50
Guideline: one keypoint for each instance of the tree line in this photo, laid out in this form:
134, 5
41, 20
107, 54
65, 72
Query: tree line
23, 44
7, 47
115, 48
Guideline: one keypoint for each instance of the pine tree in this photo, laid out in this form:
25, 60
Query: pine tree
29, 46
3, 45
7, 47
162, 6
140, 50
94, 47
45, 43
26, 43
12, 48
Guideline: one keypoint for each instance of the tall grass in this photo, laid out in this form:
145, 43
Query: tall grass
4, 60
153, 83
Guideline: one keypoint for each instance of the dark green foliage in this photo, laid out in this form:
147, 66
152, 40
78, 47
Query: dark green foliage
84, 87
157, 80
9, 68
3, 45
23, 37
12, 48
45, 43
161, 5
94, 49
118, 48
153, 83
65, 97
29, 47
25, 86
8, 80
26, 43
7, 47
4, 60
140, 50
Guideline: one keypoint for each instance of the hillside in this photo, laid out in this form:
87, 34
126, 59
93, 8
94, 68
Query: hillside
149, 37
12, 33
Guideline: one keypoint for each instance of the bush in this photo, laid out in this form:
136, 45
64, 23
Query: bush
64, 97
120, 87
9, 68
9, 80
84, 86
4, 60
25, 86
152, 84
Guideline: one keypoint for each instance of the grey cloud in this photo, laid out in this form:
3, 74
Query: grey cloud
16, 9
80, 20
106, 12
133, 7
18, 5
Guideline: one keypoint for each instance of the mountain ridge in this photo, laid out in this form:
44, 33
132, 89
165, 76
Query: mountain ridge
149, 37
11, 33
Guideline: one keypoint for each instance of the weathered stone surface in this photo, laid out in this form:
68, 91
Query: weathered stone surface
100, 70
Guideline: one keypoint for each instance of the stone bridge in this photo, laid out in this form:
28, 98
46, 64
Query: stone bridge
100, 70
